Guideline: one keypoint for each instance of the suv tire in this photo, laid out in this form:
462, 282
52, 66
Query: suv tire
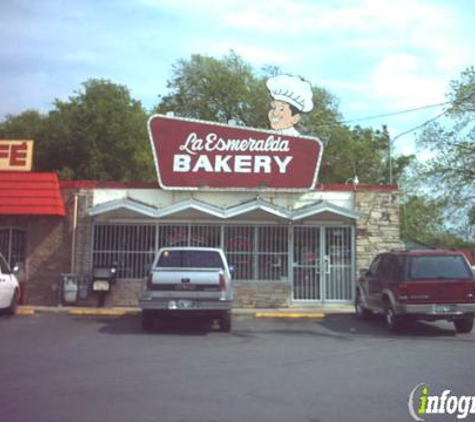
464, 325
393, 321
361, 311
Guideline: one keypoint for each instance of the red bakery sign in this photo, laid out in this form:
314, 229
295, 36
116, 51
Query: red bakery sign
193, 154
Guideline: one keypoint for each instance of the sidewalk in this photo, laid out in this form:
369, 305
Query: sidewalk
294, 312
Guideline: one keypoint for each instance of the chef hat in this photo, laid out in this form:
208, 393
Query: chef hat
292, 90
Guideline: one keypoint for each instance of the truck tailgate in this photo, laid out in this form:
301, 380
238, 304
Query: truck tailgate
185, 282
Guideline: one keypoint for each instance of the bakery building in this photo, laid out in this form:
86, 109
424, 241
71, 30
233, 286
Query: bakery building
254, 193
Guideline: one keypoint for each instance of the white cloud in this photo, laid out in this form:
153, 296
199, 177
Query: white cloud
405, 80
375, 56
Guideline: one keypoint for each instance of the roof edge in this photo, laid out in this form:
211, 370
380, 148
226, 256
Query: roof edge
340, 187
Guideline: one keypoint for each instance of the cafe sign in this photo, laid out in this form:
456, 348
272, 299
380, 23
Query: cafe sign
16, 155
193, 154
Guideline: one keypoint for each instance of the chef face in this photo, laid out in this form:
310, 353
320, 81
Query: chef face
281, 115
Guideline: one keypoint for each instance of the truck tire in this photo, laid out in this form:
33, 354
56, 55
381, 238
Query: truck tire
148, 321
225, 322
464, 325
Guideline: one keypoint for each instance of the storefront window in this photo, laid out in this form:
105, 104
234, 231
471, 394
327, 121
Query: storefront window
239, 249
255, 252
128, 247
13, 246
272, 250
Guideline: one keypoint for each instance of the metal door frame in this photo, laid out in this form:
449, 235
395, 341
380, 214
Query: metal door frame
325, 268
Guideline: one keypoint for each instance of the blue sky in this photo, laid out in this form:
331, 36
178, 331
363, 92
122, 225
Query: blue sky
375, 56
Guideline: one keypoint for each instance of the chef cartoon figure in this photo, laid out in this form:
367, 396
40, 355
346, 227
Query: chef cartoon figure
291, 97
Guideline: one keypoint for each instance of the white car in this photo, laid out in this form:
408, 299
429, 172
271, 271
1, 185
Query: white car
9, 288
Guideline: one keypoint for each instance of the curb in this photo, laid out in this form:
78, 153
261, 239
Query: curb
118, 312
289, 315
24, 311
103, 312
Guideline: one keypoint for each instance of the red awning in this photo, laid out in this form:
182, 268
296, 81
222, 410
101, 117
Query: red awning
29, 193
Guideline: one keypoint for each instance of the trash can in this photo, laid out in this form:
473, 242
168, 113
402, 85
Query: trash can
70, 288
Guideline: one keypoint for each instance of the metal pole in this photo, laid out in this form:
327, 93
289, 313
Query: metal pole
75, 224
390, 161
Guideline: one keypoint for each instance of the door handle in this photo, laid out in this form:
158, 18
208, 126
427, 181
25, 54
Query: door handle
326, 262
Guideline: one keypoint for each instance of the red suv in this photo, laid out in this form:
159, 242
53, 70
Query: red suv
429, 285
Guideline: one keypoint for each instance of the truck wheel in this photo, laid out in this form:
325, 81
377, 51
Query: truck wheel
147, 321
393, 321
464, 325
225, 322
361, 311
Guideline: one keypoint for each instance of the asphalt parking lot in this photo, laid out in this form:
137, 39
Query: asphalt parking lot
61, 367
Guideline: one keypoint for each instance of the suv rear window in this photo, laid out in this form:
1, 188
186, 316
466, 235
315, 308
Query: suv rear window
438, 267
190, 259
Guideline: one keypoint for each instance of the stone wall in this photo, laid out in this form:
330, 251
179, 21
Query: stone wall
378, 229
261, 294
48, 252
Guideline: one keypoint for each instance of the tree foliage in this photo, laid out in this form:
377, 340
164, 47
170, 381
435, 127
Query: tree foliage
360, 152
423, 220
27, 125
451, 170
99, 133
218, 90
453, 146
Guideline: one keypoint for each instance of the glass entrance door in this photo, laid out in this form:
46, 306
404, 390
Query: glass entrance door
339, 259
307, 268
323, 264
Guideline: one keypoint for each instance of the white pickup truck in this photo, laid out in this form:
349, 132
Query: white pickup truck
188, 282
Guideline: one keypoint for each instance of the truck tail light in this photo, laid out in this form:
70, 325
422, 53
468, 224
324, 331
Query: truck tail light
222, 282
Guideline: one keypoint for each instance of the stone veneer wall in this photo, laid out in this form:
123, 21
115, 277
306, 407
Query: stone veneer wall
378, 229
48, 252
261, 294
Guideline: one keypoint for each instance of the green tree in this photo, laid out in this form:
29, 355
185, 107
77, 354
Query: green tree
26, 125
451, 170
99, 133
360, 152
421, 218
217, 90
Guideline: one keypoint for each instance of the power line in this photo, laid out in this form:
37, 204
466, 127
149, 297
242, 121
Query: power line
420, 126
433, 119
395, 113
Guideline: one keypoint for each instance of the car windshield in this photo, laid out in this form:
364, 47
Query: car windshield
190, 259
438, 267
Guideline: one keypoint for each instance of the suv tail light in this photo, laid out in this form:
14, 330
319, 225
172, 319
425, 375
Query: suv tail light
402, 292
222, 282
